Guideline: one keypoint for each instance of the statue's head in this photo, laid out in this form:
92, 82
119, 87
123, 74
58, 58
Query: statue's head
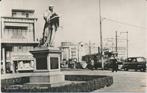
51, 7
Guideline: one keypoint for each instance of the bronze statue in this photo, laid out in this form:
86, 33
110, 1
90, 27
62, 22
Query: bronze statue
50, 28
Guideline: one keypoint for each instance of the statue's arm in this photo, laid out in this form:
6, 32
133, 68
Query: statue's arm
45, 18
55, 15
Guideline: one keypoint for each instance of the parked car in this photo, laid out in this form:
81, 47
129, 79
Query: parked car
136, 63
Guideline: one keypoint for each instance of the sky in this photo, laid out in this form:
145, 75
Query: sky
79, 20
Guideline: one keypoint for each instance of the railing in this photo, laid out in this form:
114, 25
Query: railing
18, 19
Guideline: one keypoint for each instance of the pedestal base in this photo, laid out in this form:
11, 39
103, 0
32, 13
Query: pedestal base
47, 77
47, 66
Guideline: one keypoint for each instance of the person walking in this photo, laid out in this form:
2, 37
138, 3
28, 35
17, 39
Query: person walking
91, 65
114, 65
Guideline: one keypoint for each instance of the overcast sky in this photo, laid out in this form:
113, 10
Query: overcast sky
80, 19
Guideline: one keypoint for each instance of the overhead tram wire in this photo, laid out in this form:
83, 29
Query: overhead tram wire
123, 23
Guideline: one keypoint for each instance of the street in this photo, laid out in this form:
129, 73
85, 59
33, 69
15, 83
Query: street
124, 81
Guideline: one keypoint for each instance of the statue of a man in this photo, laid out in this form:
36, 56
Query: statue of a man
50, 27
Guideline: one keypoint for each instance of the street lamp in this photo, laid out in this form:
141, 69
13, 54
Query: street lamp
127, 42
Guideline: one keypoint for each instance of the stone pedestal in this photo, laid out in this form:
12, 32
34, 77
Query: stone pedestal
47, 66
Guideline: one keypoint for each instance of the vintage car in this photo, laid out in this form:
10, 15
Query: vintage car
136, 63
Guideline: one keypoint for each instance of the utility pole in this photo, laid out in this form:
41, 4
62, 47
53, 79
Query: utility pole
89, 47
127, 44
116, 41
78, 52
101, 38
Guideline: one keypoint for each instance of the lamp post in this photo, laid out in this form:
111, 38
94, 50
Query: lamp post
127, 45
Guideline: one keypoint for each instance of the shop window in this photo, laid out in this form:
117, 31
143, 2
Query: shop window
27, 64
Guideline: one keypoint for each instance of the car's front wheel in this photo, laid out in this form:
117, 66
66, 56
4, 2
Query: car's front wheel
125, 69
142, 69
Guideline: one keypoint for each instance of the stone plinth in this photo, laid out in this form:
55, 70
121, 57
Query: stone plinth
50, 77
47, 66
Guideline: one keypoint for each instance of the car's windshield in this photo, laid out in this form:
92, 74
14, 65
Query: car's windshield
140, 60
131, 60
137, 59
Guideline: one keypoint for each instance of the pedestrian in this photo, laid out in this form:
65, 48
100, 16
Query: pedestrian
114, 65
92, 64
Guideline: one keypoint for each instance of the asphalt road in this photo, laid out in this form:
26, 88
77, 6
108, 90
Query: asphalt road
124, 81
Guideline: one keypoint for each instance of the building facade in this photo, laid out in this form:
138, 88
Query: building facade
17, 39
75, 51
69, 50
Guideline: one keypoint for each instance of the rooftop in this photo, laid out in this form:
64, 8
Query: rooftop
23, 10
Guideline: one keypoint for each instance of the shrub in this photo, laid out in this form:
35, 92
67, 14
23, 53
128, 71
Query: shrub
92, 82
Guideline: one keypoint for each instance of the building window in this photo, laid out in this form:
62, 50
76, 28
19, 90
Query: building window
14, 49
13, 14
15, 32
19, 47
23, 13
27, 15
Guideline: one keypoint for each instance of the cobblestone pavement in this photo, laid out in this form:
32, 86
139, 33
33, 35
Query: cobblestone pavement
124, 81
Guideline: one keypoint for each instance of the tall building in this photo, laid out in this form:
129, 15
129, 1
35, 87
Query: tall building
17, 39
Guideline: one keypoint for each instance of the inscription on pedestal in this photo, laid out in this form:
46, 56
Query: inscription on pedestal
54, 63
41, 63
